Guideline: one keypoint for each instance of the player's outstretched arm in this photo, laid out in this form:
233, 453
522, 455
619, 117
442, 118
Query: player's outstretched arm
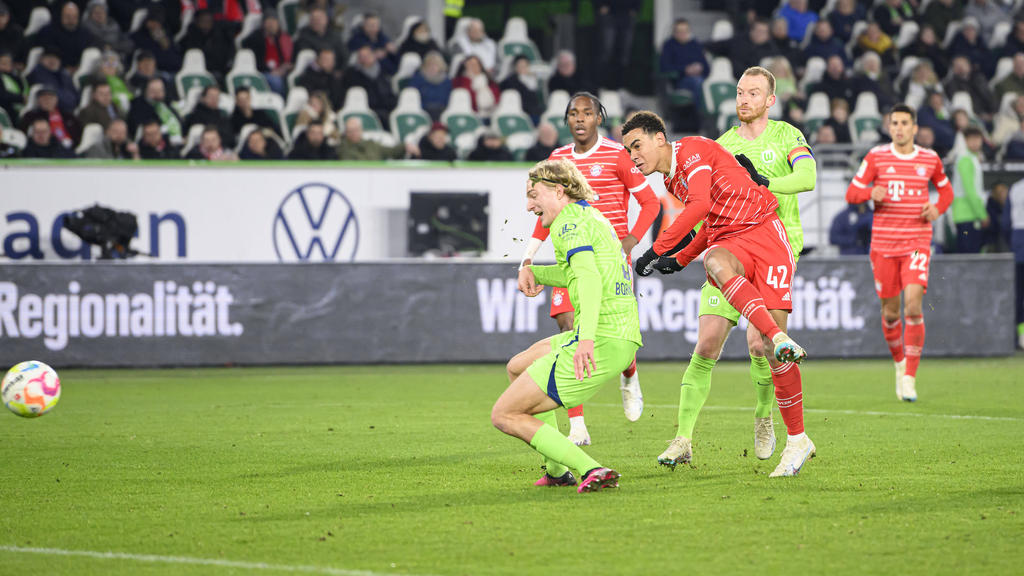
552, 275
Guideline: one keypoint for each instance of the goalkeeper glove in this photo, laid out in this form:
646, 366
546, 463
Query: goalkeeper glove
749, 166
667, 265
644, 265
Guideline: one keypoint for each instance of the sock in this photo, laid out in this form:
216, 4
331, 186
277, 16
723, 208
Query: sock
789, 394
628, 372
555, 469
553, 446
761, 376
914, 343
694, 392
576, 411
893, 332
744, 297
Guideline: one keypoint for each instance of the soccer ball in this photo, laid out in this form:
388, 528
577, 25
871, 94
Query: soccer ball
31, 389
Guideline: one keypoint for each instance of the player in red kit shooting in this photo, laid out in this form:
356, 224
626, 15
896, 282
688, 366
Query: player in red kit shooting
748, 254
901, 235
610, 173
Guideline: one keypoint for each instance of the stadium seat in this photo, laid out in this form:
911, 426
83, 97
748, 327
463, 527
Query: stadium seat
251, 24
297, 98
351, 24
962, 101
32, 60
407, 66
722, 30
243, 135
517, 41
907, 65
999, 33
457, 60
461, 25
818, 111
31, 100
1006, 103
14, 137
195, 133
89, 63
273, 104
612, 105
720, 85
509, 117
555, 115
462, 122
1003, 69
5, 120
39, 17
407, 25
83, 100
288, 13
858, 28
408, 116
302, 61
92, 134
951, 31
244, 73
357, 104
727, 117
813, 72
865, 119
908, 33
187, 15
193, 72
138, 17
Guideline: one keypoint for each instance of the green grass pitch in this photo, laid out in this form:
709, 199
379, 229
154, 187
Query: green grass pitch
396, 470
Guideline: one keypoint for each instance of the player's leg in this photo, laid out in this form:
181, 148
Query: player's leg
764, 390
888, 284
913, 295
632, 395
789, 396
520, 362
563, 312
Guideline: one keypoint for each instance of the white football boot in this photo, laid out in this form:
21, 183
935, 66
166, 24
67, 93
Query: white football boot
794, 456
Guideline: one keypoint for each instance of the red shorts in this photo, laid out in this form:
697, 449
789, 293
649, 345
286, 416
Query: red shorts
560, 301
767, 261
894, 273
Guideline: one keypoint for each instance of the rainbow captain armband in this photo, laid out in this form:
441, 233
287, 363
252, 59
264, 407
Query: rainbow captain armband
798, 153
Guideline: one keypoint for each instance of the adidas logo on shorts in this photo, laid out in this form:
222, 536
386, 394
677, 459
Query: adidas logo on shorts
785, 297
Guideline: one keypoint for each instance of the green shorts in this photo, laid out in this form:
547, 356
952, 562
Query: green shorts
712, 302
555, 374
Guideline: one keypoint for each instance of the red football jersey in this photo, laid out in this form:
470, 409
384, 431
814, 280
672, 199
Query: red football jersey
613, 177
714, 188
898, 226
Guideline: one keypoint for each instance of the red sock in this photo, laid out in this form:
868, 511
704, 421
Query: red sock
628, 372
745, 298
915, 342
893, 333
790, 396
576, 411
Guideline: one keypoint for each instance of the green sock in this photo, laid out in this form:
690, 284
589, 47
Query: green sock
694, 392
555, 469
553, 446
761, 376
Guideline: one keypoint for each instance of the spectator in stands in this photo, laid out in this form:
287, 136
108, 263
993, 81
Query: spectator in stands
566, 76
490, 147
683, 55
207, 112
968, 42
835, 83
11, 33
318, 35
420, 41
873, 78
153, 38
145, 70
105, 30
244, 113
109, 72
787, 92
786, 46
1015, 145
925, 137
12, 87
616, 22
851, 230
839, 120
748, 50
274, 52
874, 40
434, 144
1008, 121
968, 210
324, 76
999, 228
354, 147
987, 13
153, 145
100, 109
7, 150
433, 84
525, 82
798, 17
312, 144
369, 33
43, 144
50, 73
368, 73
64, 127
891, 14
921, 80
258, 146
927, 47
1014, 81
547, 141
844, 16
115, 144
210, 148
963, 78
824, 43
825, 135
483, 92
934, 115
151, 105
318, 109
67, 35
940, 13
477, 43
1014, 41
215, 41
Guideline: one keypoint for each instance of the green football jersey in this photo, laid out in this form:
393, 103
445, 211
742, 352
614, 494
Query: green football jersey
773, 154
581, 227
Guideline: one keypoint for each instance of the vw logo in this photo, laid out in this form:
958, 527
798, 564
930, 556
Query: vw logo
316, 223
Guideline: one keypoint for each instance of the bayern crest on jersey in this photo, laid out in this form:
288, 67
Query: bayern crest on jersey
920, 170
556, 298
595, 170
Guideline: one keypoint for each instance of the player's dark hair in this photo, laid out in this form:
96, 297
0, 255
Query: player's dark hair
647, 121
906, 108
597, 104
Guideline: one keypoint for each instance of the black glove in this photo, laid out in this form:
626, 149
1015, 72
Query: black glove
667, 265
749, 166
644, 265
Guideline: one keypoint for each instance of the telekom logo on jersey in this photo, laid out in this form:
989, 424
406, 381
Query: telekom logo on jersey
897, 189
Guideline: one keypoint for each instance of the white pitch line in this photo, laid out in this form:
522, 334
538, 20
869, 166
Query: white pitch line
157, 559
845, 412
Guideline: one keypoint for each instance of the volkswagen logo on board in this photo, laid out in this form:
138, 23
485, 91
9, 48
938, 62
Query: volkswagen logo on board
316, 223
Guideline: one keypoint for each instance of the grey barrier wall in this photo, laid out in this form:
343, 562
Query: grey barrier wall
104, 314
